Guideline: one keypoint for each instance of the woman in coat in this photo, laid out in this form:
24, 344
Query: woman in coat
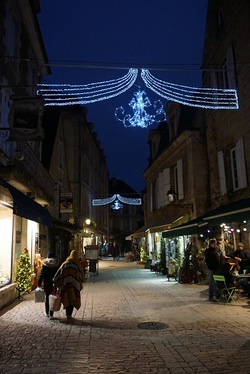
69, 279
49, 268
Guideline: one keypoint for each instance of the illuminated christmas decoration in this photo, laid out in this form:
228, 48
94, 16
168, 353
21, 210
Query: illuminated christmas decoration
68, 94
208, 98
116, 199
117, 205
141, 117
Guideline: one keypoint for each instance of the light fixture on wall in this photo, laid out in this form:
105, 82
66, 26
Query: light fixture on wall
171, 194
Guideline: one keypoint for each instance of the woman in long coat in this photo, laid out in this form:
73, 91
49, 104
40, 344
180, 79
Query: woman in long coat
69, 279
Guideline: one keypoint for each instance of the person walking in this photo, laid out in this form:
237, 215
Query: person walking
214, 262
49, 268
69, 281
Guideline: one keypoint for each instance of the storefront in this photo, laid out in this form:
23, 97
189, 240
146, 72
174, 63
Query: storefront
23, 224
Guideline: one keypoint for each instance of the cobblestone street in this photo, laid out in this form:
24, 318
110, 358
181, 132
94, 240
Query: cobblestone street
131, 321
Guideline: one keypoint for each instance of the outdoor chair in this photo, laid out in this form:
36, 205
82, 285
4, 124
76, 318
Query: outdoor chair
225, 294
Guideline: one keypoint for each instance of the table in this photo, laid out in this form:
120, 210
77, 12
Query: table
240, 276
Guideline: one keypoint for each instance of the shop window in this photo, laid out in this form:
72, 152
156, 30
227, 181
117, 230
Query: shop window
6, 219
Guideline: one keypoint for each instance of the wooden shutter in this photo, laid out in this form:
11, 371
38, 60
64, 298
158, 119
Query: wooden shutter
222, 175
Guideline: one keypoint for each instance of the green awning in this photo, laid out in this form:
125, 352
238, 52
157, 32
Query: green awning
188, 228
234, 212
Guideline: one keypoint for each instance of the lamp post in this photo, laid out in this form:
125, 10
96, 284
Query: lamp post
171, 194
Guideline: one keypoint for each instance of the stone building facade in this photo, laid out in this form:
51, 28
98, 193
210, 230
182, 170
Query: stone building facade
26, 188
216, 176
225, 65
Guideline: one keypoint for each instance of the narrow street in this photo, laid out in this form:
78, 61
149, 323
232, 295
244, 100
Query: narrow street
131, 321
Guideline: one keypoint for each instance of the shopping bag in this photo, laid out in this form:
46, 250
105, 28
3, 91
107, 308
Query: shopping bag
54, 302
39, 295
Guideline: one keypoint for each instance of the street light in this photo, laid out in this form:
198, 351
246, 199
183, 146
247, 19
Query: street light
171, 194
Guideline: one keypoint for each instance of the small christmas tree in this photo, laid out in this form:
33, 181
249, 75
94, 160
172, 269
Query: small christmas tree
23, 273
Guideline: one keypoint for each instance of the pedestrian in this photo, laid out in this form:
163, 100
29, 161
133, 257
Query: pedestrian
49, 268
69, 279
214, 261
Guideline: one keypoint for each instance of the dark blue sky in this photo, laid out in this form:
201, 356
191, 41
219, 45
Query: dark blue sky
165, 36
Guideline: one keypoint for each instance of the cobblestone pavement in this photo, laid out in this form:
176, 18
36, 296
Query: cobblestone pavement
131, 321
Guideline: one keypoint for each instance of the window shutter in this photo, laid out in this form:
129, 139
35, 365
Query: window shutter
180, 179
241, 164
231, 67
166, 185
222, 175
160, 186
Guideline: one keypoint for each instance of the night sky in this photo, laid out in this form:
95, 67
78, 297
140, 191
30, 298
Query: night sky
100, 40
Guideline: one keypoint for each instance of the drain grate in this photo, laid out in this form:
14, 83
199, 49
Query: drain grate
152, 326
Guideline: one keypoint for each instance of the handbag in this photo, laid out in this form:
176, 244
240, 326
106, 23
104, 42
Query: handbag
55, 302
39, 295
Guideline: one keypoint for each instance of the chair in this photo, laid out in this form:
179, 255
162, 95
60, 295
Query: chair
225, 293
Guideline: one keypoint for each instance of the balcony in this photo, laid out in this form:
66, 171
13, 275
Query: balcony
22, 168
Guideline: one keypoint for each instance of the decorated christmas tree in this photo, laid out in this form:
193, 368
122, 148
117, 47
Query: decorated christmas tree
23, 273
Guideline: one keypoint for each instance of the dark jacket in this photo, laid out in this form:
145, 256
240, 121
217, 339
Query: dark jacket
227, 274
214, 259
48, 271
245, 259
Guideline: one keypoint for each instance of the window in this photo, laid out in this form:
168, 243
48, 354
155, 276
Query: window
225, 76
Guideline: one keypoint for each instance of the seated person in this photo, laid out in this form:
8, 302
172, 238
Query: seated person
245, 284
242, 257
226, 271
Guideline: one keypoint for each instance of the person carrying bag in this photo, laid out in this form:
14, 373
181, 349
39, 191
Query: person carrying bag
69, 281
49, 269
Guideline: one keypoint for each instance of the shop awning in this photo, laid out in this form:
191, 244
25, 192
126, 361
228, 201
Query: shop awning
235, 212
155, 226
24, 206
67, 226
140, 232
189, 228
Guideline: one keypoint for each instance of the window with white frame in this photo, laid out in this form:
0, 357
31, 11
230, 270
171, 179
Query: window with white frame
238, 165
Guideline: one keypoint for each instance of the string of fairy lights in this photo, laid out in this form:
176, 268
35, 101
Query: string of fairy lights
75, 94
117, 201
69, 94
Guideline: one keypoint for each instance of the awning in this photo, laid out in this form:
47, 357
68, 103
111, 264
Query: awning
140, 233
155, 226
235, 212
189, 228
24, 206
67, 226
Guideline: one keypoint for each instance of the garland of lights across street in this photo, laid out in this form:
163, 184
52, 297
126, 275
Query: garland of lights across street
206, 98
69, 94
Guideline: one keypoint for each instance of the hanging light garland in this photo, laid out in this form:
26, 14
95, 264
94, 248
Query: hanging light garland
208, 98
141, 117
117, 199
68, 94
